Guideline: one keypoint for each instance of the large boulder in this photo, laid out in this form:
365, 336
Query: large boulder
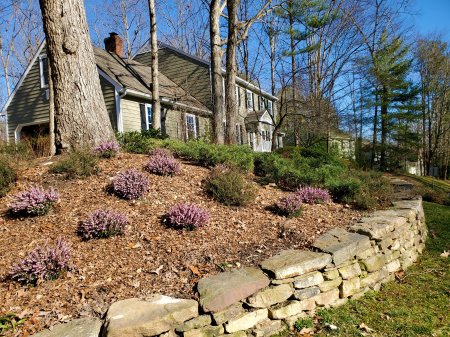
138, 318
222, 290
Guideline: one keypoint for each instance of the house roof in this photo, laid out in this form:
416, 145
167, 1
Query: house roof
242, 82
260, 116
130, 74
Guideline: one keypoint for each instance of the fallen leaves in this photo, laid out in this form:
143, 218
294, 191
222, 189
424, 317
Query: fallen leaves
150, 258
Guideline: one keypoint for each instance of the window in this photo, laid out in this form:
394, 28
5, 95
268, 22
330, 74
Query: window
270, 107
238, 96
262, 103
43, 69
238, 134
149, 115
249, 99
191, 127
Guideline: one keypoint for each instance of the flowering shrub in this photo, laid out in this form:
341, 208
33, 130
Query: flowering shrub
103, 224
186, 216
162, 163
130, 184
35, 201
289, 205
107, 149
313, 195
43, 263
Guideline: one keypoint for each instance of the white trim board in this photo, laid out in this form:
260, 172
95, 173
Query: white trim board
16, 88
21, 125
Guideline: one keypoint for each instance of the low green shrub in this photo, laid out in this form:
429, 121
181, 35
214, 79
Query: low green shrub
228, 186
8, 176
76, 164
199, 152
344, 190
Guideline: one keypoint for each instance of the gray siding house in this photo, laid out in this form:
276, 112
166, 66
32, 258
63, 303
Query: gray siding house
185, 89
257, 108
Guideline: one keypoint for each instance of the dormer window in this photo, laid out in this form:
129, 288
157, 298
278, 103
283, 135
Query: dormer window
43, 70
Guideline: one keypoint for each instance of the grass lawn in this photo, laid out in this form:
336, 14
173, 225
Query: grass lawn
431, 182
418, 306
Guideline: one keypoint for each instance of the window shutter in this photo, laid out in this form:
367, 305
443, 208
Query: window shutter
246, 99
197, 127
143, 117
253, 101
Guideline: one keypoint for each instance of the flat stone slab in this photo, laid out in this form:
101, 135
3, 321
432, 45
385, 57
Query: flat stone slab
246, 321
341, 244
83, 327
222, 290
270, 296
291, 263
138, 318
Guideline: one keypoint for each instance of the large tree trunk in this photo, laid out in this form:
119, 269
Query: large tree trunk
216, 72
156, 103
231, 68
81, 118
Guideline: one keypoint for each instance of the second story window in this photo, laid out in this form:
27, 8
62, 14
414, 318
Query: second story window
238, 96
43, 69
270, 107
249, 99
262, 103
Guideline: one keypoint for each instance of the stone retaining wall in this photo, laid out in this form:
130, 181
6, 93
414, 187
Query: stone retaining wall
263, 301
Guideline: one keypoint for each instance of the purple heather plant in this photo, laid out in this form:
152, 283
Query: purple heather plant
43, 263
107, 149
103, 224
35, 201
187, 216
313, 195
130, 184
162, 163
289, 205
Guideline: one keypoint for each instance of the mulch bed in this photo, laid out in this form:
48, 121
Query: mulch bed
150, 258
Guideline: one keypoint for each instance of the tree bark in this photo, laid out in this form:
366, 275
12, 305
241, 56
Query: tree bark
231, 68
384, 128
216, 72
81, 118
156, 103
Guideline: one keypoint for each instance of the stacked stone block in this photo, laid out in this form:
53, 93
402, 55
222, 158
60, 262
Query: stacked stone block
264, 301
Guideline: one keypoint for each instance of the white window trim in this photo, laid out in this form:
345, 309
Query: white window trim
41, 70
195, 126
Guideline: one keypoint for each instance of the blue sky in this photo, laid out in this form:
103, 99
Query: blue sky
433, 16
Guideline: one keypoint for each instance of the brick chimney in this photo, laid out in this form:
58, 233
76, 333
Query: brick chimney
114, 44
